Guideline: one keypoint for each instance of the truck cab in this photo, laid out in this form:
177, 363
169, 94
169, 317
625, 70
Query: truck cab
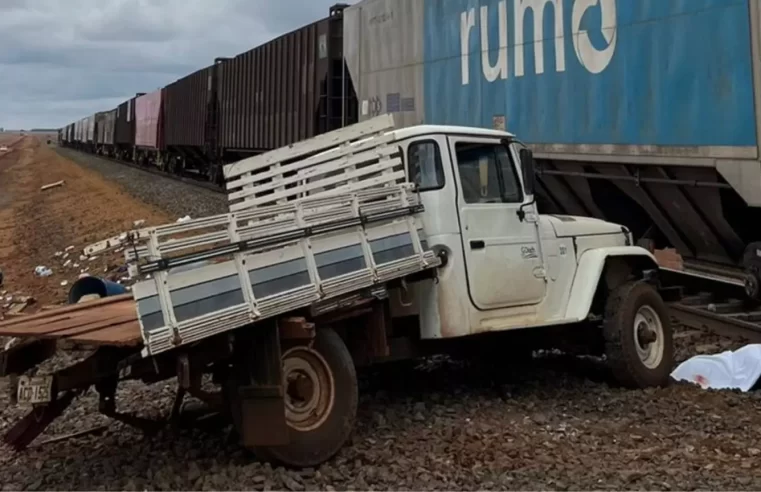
505, 266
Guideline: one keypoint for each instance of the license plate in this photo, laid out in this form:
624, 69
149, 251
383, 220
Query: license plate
35, 390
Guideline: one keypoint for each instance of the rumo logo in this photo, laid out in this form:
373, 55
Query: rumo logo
593, 59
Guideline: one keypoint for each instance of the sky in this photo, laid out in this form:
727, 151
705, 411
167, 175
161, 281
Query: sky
62, 60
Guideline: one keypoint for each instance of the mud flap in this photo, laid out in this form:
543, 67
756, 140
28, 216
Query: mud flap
262, 399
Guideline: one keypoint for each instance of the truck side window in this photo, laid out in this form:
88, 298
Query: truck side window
425, 166
487, 174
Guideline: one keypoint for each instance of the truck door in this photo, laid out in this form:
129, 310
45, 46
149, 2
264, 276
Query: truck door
502, 254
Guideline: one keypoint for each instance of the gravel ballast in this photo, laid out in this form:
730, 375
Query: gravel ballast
175, 197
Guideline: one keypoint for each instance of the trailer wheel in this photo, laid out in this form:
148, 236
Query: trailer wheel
320, 402
638, 338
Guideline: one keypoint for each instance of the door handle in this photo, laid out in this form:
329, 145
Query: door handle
477, 245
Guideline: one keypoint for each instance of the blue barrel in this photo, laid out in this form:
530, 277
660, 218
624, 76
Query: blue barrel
94, 285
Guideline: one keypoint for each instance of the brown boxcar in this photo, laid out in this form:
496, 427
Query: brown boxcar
124, 133
290, 89
149, 130
185, 110
100, 126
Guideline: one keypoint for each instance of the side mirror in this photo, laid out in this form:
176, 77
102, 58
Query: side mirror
527, 165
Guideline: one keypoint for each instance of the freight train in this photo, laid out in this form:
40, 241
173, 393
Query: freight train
289, 89
643, 113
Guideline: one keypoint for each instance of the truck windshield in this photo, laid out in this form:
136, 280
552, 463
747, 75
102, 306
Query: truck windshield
487, 174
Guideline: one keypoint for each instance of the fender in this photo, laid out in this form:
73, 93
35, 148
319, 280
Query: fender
589, 272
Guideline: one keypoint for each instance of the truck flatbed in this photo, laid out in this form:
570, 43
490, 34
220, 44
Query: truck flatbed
108, 321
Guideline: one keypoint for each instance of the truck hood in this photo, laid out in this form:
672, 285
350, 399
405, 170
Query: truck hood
567, 226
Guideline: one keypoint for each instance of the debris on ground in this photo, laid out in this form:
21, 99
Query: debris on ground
51, 185
18, 304
43, 271
182, 220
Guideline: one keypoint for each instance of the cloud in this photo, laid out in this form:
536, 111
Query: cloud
61, 61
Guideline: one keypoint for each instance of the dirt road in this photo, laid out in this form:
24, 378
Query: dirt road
36, 224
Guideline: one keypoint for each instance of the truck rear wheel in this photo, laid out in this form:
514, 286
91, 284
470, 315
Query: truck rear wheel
321, 397
638, 338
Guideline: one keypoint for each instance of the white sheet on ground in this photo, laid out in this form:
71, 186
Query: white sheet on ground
740, 369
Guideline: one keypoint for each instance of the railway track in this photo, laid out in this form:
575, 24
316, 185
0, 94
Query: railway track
158, 172
713, 303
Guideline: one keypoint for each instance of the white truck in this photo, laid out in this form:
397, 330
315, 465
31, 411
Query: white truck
360, 246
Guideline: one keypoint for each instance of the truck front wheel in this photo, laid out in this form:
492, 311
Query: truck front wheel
321, 397
638, 338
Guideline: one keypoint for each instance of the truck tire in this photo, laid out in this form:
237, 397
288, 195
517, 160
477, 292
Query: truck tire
320, 421
639, 343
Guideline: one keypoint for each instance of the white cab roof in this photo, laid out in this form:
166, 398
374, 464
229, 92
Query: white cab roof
417, 130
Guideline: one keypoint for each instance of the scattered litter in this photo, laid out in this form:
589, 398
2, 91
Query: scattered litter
93, 258
58, 253
20, 304
138, 223
105, 269
11, 343
66, 437
43, 271
65, 255
84, 274
82, 257
67, 263
51, 185
64, 283
69, 248
740, 369
9, 299
75, 265
184, 219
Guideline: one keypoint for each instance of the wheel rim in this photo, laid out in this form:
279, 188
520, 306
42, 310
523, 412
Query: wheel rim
648, 337
309, 389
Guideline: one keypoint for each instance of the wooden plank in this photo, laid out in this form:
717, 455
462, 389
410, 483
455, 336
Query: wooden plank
125, 334
102, 325
56, 325
71, 308
66, 329
320, 143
